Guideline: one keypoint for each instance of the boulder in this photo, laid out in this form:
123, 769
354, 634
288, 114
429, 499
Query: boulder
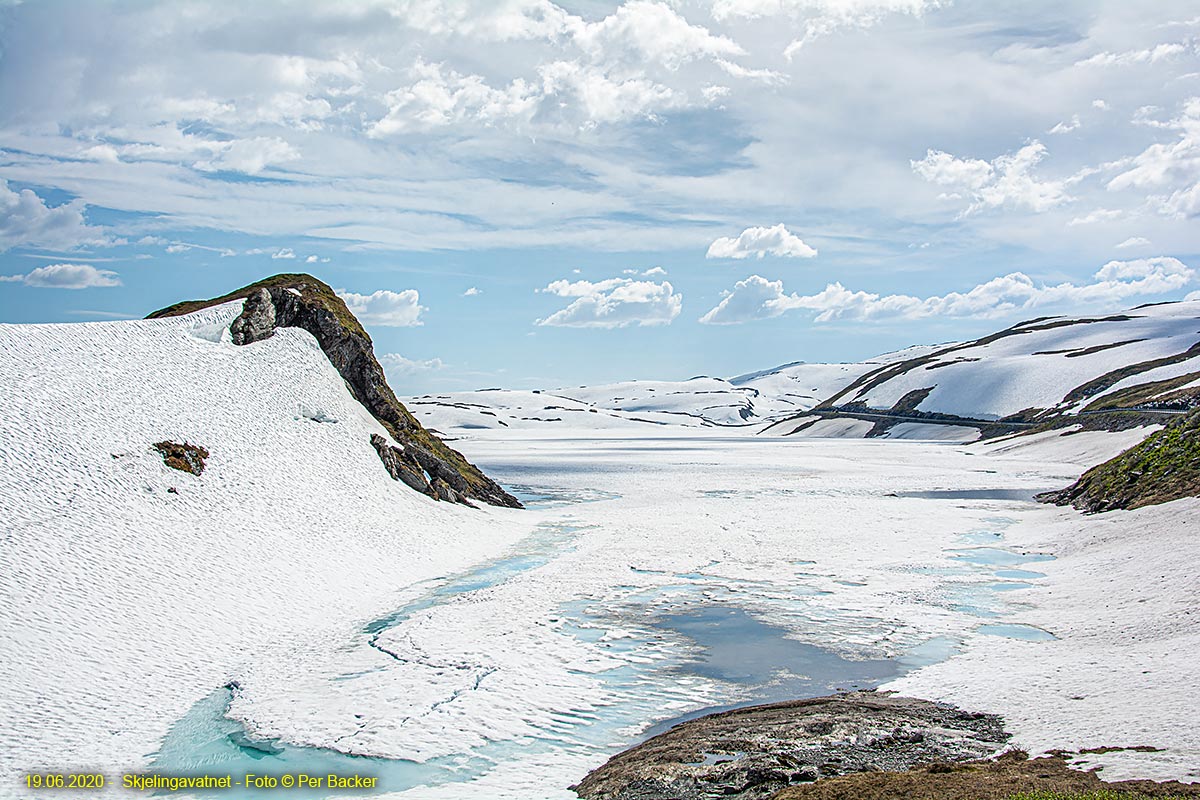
257, 321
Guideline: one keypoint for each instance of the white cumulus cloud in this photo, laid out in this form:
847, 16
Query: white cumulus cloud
25, 219
776, 240
1125, 58
472, 292
1134, 241
767, 76
613, 303
66, 276
822, 17
1097, 215
396, 364
1066, 127
250, 156
759, 298
386, 308
1173, 167
1006, 180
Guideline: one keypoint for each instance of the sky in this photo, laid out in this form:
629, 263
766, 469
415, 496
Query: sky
523, 193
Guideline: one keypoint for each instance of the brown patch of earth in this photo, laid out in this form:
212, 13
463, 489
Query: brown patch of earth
1009, 775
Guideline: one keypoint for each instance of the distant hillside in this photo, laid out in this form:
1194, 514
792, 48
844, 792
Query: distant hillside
1134, 369
1044, 367
745, 401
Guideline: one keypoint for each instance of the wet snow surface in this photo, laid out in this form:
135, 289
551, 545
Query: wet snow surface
642, 597
498, 653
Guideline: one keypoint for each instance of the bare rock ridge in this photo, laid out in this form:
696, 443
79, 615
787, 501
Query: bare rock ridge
421, 460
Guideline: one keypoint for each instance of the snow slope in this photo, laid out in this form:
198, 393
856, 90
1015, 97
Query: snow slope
1120, 599
130, 590
1042, 361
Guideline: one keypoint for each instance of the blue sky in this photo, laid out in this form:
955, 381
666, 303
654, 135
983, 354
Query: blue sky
525, 193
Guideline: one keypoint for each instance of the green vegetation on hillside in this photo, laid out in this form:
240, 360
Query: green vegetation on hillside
314, 291
1102, 794
1164, 467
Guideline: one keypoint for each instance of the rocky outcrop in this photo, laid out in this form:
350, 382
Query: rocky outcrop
1164, 467
257, 321
752, 753
404, 467
302, 301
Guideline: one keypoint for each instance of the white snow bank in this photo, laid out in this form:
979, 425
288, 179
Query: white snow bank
122, 602
844, 428
1070, 445
930, 432
1122, 598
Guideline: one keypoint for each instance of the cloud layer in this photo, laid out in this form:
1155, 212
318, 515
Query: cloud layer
66, 276
26, 220
396, 364
759, 298
1005, 180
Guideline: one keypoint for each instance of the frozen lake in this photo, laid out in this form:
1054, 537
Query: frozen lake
662, 579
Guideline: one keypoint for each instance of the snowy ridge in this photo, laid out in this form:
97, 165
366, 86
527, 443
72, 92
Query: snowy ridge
1036, 365
126, 602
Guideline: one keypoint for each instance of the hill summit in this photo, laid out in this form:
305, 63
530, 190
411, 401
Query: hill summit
297, 300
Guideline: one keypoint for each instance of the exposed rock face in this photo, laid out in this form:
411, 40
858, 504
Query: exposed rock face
302, 301
257, 321
403, 467
1164, 467
752, 753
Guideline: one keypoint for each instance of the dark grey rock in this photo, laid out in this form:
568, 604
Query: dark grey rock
257, 320
401, 466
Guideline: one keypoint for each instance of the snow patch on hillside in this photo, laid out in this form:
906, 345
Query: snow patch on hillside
1036, 368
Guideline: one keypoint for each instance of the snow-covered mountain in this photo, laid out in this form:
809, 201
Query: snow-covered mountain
1043, 369
745, 400
1051, 365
